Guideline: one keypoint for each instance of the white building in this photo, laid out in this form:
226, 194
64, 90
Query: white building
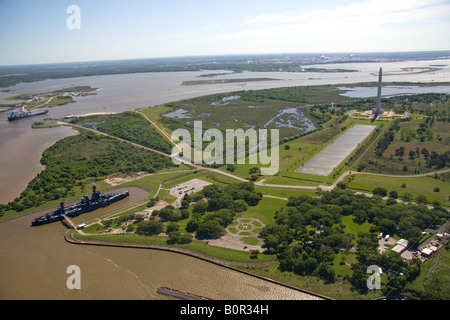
402, 244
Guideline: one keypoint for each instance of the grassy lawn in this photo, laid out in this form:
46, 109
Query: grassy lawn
265, 210
347, 258
339, 290
195, 245
413, 185
355, 228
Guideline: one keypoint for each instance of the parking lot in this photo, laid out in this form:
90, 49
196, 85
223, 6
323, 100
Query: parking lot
190, 187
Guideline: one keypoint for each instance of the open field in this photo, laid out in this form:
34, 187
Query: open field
414, 186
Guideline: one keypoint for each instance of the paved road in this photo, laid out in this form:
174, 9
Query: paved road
261, 184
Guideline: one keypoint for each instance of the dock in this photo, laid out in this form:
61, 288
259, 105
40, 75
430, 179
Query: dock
69, 222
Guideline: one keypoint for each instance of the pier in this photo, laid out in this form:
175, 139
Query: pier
69, 222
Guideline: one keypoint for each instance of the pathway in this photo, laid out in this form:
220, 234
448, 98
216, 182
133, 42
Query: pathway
261, 184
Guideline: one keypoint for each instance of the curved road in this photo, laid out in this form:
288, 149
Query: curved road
260, 184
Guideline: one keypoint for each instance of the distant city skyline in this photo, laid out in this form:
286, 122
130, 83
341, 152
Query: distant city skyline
44, 31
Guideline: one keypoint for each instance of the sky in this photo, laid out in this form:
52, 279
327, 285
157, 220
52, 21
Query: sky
36, 31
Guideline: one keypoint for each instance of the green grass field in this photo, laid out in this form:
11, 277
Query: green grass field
413, 185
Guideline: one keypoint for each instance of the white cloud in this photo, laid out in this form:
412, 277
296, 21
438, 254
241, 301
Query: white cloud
366, 25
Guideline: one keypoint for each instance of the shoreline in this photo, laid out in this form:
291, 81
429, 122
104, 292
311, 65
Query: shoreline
68, 237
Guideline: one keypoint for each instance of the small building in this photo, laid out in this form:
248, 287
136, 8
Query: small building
426, 252
433, 248
401, 246
81, 226
398, 248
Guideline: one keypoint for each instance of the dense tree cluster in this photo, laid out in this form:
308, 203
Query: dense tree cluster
384, 142
71, 161
129, 126
309, 232
170, 213
218, 209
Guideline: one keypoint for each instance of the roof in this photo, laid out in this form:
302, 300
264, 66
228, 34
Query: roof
398, 248
403, 242
427, 251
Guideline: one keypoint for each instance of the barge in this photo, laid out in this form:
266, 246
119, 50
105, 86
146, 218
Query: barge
178, 294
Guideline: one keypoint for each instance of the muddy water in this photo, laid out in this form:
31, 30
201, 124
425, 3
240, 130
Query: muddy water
21, 149
35, 260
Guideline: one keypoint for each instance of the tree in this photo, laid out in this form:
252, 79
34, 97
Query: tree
185, 238
254, 170
178, 237
380, 191
425, 153
200, 207
342, 185
171, 227
393, 194
387, 226
192, 225
326, 272
421, 199
149, 227
254, 254
210, 229
223, 216
231, 167
238, 206
253, 198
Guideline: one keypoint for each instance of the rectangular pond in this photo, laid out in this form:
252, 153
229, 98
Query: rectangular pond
328, 159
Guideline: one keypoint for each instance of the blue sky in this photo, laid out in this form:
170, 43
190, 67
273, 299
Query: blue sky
35, 31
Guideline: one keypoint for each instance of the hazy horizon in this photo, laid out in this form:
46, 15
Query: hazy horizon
48, 31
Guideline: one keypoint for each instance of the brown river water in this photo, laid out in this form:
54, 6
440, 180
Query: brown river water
35, 261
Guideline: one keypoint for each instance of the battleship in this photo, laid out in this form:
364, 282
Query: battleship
25, 114
96, 201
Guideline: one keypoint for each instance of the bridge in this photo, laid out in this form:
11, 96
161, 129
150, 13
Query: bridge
69, 222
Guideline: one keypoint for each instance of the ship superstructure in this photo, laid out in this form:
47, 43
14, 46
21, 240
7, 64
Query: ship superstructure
22, 114
87, 204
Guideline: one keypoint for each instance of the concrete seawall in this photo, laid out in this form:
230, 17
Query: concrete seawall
220, 262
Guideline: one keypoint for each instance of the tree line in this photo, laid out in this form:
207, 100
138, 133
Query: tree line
72, 161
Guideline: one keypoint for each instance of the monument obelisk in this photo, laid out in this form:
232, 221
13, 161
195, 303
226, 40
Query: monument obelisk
378, 111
